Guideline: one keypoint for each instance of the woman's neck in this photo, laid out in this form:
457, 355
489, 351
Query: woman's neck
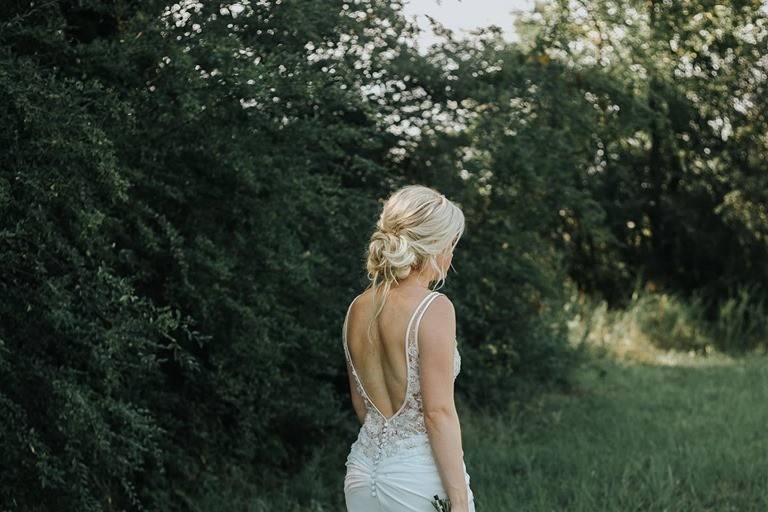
414, 280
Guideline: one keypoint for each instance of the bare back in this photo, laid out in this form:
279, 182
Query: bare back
381, 365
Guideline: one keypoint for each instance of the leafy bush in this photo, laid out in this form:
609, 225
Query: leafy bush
182, 230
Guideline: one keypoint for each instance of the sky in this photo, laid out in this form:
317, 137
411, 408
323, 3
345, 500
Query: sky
465, 15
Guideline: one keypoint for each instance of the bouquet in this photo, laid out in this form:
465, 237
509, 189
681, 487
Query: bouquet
442, 505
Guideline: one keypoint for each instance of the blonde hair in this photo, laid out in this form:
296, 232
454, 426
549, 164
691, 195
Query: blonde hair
417, 224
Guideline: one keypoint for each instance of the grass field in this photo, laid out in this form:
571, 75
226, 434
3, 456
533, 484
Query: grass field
631, 438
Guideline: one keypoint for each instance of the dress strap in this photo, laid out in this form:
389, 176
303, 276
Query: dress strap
413, 326
344, 328
348, 356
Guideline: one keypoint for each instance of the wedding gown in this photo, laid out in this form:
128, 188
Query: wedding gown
391, 466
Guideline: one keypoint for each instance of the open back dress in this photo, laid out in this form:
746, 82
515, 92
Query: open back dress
391, 466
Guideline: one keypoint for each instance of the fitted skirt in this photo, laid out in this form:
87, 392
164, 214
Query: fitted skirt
406, 481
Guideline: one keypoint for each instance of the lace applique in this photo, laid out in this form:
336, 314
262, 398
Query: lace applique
380, 436
456, 361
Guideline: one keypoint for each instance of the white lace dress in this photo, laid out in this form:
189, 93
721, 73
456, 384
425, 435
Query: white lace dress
391, 466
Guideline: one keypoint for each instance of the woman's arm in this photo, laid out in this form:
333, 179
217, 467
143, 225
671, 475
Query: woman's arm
437, 335
357, 400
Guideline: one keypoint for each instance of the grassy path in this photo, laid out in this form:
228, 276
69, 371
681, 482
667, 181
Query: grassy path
692, 437
632, 438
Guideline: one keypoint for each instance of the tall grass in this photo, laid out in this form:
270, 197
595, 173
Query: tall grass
659, 325
742, 321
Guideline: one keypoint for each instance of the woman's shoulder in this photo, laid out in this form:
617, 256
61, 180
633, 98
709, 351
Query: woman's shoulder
361, 297
442, 302
439, 313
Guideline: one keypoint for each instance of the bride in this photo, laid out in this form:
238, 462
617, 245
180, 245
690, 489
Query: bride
402, 360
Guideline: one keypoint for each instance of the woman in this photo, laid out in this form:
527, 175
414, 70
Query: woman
399, 340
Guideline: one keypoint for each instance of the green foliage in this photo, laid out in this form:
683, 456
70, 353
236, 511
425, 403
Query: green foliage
676, 165
78, 347
186, 194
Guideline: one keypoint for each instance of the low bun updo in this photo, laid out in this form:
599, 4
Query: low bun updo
416, 225
390, 255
